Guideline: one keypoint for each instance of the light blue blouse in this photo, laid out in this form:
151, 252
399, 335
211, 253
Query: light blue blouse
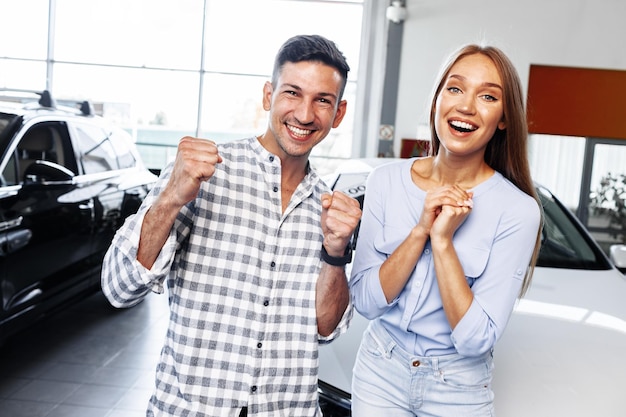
494, 245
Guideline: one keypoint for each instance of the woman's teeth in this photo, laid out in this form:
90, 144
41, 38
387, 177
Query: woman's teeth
462, 126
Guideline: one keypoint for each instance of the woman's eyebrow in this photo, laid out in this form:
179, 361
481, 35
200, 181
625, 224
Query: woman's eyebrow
485, 84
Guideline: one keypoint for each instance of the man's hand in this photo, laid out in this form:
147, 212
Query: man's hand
340, 217
195, 162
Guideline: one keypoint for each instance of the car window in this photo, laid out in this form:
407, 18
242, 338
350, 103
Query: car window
47, 141
4, 122
103, 150
565, 243
121, 141
96, 151
9, 173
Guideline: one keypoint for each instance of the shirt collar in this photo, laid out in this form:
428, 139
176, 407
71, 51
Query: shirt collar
264, 157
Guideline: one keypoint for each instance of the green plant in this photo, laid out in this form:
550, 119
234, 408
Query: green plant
610, 200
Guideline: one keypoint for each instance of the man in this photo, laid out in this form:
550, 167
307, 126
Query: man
238, 230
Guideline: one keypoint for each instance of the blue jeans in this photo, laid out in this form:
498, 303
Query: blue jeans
387, 381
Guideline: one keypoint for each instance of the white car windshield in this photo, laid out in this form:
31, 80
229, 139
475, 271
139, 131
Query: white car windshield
563, 243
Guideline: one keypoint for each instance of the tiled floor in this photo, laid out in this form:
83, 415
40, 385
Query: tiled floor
89, 361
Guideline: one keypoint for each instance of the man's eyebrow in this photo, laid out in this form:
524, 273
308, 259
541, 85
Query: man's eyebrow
323, 94
298, 88
291, 86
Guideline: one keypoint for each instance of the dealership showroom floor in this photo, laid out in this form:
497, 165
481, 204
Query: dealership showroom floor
91, 360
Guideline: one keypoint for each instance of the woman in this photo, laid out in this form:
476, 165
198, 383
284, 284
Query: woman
447, 244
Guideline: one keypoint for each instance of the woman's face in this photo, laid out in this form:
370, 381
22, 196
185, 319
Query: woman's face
469, 106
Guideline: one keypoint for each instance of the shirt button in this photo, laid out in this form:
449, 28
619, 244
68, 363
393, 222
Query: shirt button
275, 189
253, 389
416, 363
272, 158
273, 264
266, 303
259, 345
426, 251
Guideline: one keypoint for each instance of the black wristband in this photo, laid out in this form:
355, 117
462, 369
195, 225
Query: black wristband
337, 260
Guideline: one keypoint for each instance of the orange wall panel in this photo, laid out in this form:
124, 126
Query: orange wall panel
577, 102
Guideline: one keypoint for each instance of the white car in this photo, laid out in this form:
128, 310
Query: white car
564, 350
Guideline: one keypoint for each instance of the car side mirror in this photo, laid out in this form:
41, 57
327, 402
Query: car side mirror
42, 171
617, 253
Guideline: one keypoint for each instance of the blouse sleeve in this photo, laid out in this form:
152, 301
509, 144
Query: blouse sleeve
497, 287
367, 293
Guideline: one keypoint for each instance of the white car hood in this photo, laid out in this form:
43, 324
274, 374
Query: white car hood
563, 352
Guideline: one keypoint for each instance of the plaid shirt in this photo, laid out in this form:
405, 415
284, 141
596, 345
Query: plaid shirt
241, 278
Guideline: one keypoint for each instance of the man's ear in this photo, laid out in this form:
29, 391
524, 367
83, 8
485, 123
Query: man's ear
341, 112
268, 90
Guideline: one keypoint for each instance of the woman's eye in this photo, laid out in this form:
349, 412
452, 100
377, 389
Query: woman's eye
454, 89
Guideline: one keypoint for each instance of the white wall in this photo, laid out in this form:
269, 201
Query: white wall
577, 33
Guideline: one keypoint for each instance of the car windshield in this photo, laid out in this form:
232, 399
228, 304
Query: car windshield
5, 119
564, 243
7, 129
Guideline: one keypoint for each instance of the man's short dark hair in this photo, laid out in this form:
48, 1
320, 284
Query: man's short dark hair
311, 48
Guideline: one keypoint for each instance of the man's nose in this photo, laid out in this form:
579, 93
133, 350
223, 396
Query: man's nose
304, 112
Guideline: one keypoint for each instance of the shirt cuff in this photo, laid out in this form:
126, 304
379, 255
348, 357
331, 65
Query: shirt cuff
467, 336
155, 276
341, 328
376, 289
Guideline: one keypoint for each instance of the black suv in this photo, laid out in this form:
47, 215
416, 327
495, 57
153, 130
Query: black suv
68, 179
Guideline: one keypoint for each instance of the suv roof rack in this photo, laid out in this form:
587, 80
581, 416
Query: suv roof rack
46, 100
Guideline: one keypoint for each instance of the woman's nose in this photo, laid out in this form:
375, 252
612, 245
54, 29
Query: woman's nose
466, 104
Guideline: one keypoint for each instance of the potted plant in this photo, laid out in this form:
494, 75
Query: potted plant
609, 200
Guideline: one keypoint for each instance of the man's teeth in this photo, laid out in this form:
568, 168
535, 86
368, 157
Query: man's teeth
298, 131
462, 125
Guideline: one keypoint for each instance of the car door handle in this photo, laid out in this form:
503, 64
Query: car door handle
11, 223
14, 240
86, 206
89, 206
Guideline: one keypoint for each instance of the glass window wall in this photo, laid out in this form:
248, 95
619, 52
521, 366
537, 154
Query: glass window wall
163, 69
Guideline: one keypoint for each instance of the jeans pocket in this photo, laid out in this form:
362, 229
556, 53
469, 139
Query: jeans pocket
371, 346
374, 346
473, 375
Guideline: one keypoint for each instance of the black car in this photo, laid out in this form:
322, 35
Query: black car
68, 179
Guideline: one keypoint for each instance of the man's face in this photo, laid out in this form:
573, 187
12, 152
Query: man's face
303, 107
